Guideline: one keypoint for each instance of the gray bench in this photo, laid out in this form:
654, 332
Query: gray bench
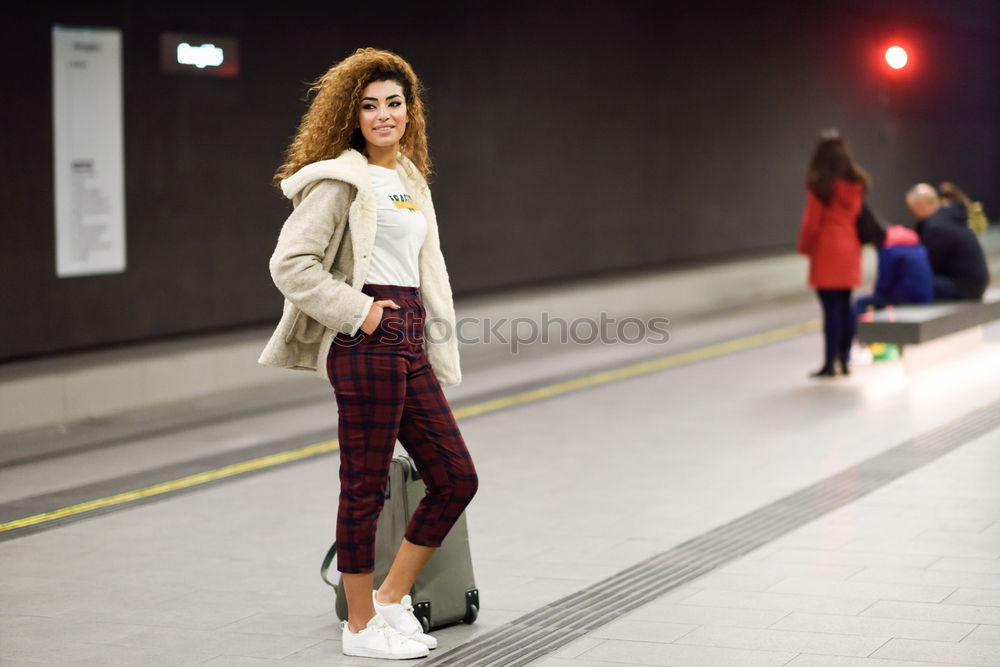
914, 324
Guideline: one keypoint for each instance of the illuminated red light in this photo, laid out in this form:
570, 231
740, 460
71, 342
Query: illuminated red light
895, 57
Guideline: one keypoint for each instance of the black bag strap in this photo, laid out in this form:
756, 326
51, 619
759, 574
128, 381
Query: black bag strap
870, 230
325, 567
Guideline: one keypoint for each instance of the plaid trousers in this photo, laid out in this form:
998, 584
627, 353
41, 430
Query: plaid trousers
386, 389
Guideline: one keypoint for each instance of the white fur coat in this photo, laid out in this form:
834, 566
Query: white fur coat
320, 270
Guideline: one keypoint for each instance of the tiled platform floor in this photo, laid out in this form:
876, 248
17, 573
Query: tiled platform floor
573, 489
909, 575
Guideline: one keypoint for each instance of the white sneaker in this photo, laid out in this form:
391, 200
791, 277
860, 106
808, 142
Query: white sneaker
380, 640
401, 617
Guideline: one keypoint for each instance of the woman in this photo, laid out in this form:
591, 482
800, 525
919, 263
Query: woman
952, 195
835, 191
358, 261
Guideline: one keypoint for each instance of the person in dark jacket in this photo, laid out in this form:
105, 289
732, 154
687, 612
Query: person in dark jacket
956, 257
904, 272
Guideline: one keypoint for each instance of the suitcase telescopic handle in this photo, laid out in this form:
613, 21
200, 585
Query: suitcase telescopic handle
414, 474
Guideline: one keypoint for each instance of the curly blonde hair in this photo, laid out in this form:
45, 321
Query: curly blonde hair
330, 124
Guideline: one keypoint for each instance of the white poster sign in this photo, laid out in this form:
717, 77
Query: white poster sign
89, 153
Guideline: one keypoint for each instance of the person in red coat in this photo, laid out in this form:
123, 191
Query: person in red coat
835, 191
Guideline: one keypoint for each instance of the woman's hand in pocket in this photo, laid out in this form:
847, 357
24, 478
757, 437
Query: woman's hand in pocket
375, 315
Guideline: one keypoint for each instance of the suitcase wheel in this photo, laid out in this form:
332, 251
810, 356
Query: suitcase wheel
422, 610
471, 606
471, 613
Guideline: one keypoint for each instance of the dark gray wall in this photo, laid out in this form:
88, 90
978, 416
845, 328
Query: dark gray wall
570, 138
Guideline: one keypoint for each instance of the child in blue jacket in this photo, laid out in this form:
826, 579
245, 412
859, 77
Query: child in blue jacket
904, 272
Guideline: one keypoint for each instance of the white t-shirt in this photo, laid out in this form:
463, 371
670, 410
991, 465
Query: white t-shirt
401, 231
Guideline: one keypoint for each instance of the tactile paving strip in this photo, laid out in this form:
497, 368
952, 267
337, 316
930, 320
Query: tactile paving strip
545, 630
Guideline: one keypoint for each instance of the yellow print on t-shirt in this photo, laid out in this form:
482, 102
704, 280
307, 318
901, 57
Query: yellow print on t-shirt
403, 201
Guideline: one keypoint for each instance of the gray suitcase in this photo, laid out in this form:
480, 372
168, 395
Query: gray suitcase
445, 591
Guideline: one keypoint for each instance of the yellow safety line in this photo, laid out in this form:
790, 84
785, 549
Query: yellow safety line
175, 484
641, 368
595, 379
